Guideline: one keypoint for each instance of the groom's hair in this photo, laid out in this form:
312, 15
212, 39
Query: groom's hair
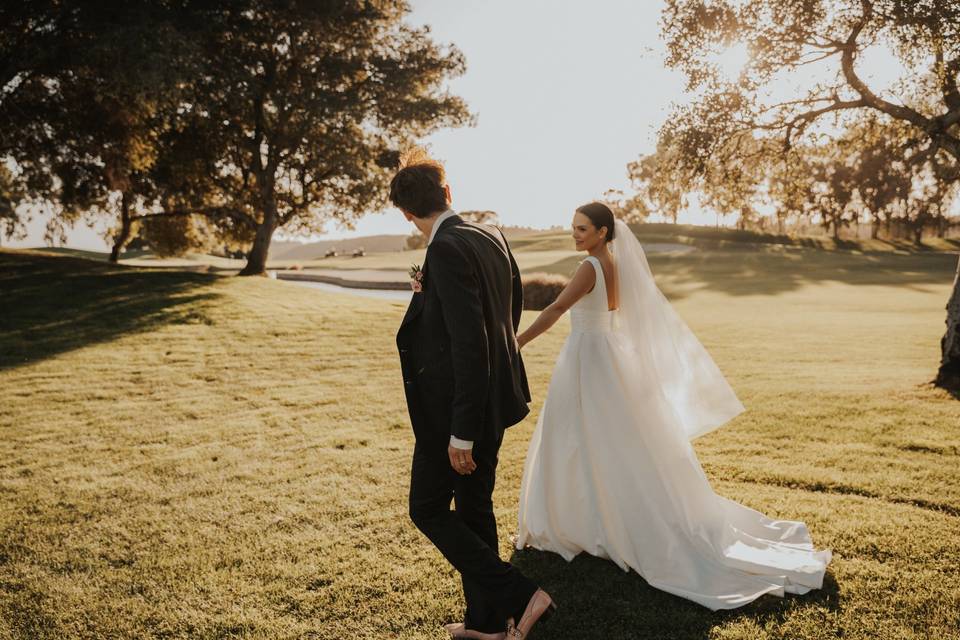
418, 186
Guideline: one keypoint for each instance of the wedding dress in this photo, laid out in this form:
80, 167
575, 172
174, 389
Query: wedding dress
610, 469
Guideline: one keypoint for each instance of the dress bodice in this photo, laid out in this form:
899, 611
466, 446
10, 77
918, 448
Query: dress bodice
590, 313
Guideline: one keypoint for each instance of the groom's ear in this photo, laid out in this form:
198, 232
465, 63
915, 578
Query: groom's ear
446, 193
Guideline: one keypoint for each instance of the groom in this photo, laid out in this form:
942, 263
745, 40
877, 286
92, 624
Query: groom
465, 384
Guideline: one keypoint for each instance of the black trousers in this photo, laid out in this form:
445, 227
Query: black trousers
467, 535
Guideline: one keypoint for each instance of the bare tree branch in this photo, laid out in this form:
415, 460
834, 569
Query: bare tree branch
869, 97
799, 123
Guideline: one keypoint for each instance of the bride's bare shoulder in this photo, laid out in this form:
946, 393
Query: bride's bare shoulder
580, 284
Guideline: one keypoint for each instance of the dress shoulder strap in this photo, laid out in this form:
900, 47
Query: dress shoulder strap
598, 270
596, 264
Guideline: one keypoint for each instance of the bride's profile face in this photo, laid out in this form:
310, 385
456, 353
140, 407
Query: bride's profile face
585, 235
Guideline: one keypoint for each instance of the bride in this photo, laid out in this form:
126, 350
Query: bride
610, 469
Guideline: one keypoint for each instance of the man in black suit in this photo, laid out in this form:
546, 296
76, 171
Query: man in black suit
465, 384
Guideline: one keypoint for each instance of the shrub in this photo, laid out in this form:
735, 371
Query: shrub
541, 289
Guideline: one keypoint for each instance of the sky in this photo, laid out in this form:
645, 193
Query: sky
565, 94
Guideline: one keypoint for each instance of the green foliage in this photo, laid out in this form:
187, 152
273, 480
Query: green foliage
176, 235
305, 106
82, 124
255, 115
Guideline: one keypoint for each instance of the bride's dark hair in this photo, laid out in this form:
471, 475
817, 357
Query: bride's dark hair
600, 215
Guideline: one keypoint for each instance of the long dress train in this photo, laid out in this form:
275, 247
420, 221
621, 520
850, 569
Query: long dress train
610, 471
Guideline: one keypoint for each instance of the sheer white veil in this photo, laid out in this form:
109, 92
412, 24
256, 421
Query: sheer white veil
656, 334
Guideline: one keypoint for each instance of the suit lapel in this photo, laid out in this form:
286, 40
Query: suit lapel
416, 304
416, 301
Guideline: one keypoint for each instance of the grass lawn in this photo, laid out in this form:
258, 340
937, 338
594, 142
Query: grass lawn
187, 455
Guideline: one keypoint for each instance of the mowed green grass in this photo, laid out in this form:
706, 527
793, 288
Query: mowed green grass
185, 455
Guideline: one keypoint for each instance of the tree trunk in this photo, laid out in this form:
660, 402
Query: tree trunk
257, 259
875, 229
918, 235
125, 226
836, 229
948, 377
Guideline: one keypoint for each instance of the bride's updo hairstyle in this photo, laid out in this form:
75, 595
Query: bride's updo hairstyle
600, 215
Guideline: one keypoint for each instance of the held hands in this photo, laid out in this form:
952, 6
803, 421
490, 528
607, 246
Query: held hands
461, 460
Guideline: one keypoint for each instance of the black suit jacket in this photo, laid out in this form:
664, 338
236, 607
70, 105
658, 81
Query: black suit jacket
457, 341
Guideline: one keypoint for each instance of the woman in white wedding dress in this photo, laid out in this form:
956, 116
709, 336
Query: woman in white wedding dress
610, 469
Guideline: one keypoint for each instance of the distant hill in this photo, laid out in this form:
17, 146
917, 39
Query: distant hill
371, 244
516, 232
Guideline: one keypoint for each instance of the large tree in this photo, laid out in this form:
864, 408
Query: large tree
784, 39
306, 106
254, 114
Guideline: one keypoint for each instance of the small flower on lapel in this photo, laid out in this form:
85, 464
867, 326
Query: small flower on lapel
416, 278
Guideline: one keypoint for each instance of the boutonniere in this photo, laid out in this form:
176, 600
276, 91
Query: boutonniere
416, 278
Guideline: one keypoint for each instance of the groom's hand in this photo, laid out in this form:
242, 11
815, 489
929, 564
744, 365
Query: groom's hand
461, 460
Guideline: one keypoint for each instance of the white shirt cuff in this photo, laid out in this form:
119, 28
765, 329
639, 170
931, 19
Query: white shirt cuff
457, 443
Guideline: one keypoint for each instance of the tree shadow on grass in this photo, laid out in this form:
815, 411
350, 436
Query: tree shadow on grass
596, 599
54, 304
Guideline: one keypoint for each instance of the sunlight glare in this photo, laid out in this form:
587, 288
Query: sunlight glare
732, 61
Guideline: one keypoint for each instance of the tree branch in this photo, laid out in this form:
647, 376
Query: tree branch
799, 122
869, 97
803, 59
305, 201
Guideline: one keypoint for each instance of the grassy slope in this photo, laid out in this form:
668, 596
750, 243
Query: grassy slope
186, 455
